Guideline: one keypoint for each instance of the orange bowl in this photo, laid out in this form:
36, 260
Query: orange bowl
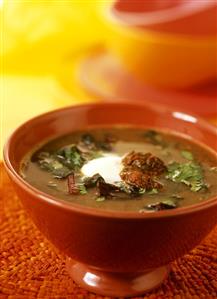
112, 253
170, 48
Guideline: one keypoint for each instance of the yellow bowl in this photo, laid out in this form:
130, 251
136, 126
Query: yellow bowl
161, 59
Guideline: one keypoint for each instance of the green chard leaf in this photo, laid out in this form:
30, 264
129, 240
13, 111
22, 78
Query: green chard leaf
141, 191
100, 198
214, 168
170, 203
50, 163
82, 189
52, 185
70, 157
61, 163
154, 137
162, 205
177, 196
190, 173
61, 173
153, 191
95, 155
130, 190
187, 155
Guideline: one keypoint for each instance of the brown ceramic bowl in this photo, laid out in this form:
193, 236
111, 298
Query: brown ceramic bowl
112, 253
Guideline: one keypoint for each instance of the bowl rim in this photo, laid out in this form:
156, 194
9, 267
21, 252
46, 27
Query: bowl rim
84, 210
138, 18
127, 23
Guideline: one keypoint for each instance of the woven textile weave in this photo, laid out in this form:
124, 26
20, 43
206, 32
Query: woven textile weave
30, 267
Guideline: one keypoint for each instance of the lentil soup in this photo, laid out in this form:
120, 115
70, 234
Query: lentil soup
123, 168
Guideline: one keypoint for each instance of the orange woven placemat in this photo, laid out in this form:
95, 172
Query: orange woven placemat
30, 267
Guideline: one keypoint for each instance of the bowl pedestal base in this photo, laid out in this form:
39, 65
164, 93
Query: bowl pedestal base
115, 284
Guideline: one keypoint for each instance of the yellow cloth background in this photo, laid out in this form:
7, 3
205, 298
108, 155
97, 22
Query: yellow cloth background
25, 97
37, 39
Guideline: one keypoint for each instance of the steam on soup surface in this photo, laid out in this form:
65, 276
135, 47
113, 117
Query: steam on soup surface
123, 168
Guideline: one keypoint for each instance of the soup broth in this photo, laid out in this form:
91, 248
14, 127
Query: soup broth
123, 168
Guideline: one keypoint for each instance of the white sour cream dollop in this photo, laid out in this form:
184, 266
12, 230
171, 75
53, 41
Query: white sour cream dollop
109, 166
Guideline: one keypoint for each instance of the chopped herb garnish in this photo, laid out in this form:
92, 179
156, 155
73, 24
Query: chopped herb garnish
61, 173
52, 185
61, 163
162, 205
49, 162
82, 189
214, 168
177, 196
189, 173
154, 138
88, 140
130, 190
170, 203
104, 146
95, 155
106, 143
71, 157
125, 187
152, 135
141, 191
153, 191
100, 198
187, 155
